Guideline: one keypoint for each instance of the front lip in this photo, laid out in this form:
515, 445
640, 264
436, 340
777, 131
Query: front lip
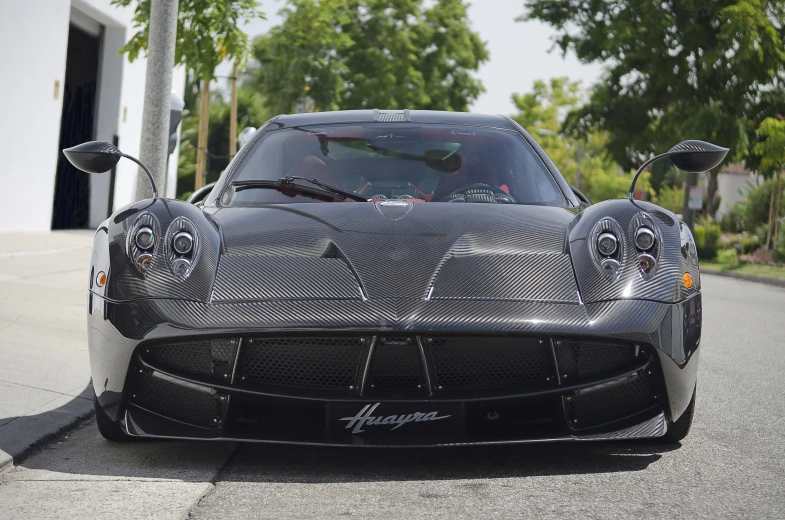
652, 427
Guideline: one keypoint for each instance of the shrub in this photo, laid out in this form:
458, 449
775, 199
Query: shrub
729, 257
733, 220
749, 244
707, 239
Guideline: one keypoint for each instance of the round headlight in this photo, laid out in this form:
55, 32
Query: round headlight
181, 266
610, 268
182, 243
647, 263
607, 244
144, 262
144, 238
644, 239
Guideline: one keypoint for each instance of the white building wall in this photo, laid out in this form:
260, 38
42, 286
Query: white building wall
34, 36
32, 60
732, 188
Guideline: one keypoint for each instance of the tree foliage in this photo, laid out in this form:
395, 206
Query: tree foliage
208, 32
251, 111
354, 54
542, 112
675, 68
771, 149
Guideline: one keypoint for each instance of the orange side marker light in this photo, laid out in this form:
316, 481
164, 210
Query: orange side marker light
687, 280
100, 279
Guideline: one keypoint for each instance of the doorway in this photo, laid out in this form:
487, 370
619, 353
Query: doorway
77, 125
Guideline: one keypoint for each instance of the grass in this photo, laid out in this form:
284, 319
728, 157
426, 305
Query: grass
756, 269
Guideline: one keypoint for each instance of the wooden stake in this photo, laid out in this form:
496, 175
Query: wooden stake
233, 115
201, 152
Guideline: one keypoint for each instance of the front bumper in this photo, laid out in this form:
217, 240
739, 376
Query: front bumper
667, 333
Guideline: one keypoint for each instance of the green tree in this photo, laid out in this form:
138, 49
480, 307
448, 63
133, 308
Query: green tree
354, 54
675, 68
251, 111
208, 32
581, 159
771, 151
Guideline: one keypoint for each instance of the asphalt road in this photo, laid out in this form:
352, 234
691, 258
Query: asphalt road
731, 465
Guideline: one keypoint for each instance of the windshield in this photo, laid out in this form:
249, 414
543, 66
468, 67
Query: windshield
421, 163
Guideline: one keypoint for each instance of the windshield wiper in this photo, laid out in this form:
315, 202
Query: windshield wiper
288, 183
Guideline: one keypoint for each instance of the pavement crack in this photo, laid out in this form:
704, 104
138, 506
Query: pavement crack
214, 480
42, 389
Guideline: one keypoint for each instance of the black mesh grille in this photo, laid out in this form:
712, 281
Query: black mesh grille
586, 359
476, 363
594, 407
212, 358
183, 403
310, 363
395, 366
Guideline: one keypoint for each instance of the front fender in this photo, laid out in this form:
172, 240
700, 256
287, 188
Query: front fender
677, 255
125, 282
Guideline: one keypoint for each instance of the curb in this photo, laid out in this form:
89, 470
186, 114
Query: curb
6, 461
777, 282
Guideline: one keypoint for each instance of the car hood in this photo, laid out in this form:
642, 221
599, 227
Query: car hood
394, 249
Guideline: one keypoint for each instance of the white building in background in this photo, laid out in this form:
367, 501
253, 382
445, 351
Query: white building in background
62, 82
733, 183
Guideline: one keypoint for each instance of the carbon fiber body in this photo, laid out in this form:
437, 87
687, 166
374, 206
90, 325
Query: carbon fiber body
476, 313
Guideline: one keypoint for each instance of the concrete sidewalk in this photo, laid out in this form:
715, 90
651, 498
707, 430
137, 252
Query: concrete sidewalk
44, 369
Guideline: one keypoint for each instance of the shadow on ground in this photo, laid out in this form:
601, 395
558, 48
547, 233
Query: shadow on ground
21, 435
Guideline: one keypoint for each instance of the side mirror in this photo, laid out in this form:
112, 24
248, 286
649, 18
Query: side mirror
100, 157
697, 156
93, 157
691, 156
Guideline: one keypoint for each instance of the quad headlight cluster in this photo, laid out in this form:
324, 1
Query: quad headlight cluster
179, 246
608, 240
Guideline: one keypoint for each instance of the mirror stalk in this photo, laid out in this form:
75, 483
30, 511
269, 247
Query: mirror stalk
640, 170
148, 172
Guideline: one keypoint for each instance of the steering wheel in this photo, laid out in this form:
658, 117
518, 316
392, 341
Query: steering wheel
479, 192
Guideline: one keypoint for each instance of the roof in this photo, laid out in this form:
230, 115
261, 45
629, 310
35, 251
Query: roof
402, 116
735, 169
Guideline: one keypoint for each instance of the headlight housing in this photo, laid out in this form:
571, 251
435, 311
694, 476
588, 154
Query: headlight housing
142, 242
648, 243
607, 247
182, 243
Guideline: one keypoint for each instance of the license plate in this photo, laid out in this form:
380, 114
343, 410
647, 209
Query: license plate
396, 422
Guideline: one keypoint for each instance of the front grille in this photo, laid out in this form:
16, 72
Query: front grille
583, 359
213, 358
395, 366
308, 363
482, 362
192, 404
595, 406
